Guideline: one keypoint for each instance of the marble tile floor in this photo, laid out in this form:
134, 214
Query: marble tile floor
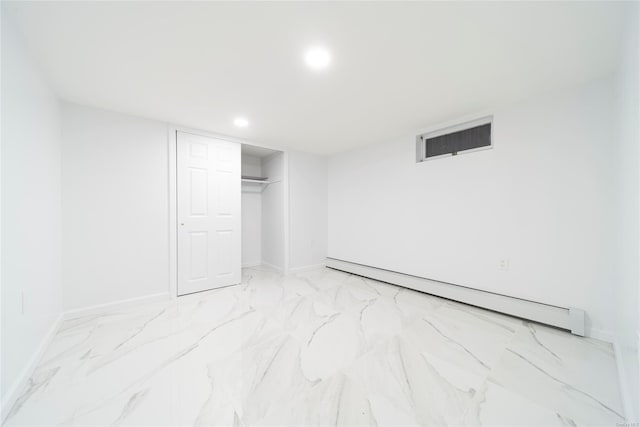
317, 348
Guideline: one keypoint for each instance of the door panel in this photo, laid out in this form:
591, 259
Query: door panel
208, 183
225, 198
199, 253
198, 191
225, 264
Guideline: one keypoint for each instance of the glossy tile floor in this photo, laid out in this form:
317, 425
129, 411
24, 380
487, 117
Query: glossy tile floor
320, 348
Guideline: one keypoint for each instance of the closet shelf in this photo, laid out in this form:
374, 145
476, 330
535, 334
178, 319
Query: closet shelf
252, 186
256, 181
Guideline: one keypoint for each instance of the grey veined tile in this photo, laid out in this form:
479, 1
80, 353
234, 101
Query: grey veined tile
316, 348
572, 375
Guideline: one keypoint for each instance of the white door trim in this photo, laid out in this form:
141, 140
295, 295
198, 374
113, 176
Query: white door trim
173, 207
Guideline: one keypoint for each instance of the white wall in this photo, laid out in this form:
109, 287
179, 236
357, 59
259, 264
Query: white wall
627, 186
115, 207
273, 212
541, 198
307, 210
31, 212
251, 213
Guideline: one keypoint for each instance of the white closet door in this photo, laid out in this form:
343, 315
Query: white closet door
209, 215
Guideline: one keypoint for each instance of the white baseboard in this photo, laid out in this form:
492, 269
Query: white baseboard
307, 268
20, 383
251, 264
602, 335
625, 375
80, 312
274, 267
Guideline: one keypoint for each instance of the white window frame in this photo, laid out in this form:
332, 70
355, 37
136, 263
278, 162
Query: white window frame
421, 139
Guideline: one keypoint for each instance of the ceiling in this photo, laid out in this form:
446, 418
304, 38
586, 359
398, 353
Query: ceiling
255, 151
396, 67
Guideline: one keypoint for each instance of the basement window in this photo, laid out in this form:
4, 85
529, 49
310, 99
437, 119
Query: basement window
453, 140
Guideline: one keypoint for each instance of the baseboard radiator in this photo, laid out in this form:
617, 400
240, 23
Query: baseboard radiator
569, 318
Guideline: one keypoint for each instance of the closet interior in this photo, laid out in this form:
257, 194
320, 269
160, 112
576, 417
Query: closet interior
263, 207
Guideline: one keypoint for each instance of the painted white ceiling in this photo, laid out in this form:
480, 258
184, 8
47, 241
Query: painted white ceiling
396, 67
255, 151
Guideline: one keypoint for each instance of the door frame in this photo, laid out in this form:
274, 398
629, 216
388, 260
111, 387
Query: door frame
172, 147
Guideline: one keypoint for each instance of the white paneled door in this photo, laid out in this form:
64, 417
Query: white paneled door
209, 216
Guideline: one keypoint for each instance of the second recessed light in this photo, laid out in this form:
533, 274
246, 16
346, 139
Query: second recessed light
241, 122
318, 57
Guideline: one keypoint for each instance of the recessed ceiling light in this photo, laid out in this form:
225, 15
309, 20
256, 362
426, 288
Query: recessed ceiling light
241, 122
317, 57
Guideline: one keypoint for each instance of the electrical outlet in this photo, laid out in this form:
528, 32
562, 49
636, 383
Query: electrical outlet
503, 264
